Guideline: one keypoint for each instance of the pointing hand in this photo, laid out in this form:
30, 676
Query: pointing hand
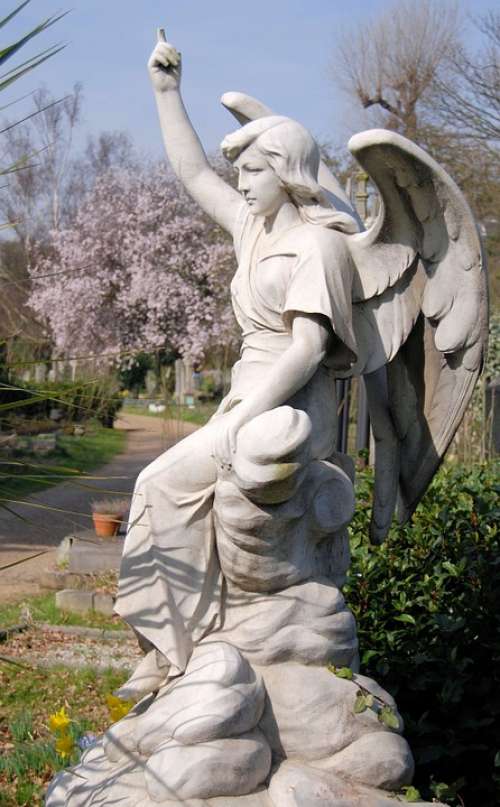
165, 65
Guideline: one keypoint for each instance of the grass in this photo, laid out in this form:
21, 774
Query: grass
200, 414
42, 608
75, 454
28, 760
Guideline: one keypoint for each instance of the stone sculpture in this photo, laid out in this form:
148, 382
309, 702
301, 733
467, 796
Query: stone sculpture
237, 547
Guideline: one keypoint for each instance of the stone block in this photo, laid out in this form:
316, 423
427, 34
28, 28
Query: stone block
87, 554
104, 604
54, 581
44, 444
71, 600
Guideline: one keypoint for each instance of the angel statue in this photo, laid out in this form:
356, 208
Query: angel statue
237, 546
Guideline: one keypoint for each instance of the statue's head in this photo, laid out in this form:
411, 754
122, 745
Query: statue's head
277, 159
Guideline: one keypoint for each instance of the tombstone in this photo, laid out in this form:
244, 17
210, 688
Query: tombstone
183, 380
151, 383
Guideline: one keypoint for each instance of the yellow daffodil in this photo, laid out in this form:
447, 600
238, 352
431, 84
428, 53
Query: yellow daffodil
117, 707
64, 745
59, 721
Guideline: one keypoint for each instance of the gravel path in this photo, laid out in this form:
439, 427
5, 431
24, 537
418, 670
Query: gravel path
42, 530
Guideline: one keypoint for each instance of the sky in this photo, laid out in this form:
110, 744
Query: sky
280, 51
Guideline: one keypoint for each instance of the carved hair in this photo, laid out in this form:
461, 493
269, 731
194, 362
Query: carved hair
293, 154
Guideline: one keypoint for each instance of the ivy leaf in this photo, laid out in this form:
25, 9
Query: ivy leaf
411, 794
344, 672
360, 704
405, 618
388, 717
450, 568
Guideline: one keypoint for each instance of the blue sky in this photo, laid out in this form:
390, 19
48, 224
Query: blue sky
281, 51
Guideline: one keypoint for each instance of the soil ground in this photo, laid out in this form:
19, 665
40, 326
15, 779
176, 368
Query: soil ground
42, 646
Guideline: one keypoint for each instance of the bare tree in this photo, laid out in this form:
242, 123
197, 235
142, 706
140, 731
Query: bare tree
40, 149
469, 100
102, 153
390, 65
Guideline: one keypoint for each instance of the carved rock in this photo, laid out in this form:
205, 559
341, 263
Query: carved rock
301, 696
232, 767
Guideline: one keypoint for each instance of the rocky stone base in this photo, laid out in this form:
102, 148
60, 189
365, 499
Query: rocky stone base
227, 733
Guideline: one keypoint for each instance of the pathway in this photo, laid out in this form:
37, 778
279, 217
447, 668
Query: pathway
41, 530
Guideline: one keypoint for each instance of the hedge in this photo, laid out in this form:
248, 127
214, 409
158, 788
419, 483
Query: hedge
427, 604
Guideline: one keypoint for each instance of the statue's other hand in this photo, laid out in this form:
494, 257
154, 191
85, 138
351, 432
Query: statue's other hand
165, 65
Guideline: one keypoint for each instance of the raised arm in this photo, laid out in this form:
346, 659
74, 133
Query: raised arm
182, 144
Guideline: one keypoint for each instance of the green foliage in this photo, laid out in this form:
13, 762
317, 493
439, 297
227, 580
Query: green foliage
341, 672
21, 728
28, 760
133, 372
411, 794
427, 604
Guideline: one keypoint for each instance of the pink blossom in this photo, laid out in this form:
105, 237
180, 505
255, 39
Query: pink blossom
146, 269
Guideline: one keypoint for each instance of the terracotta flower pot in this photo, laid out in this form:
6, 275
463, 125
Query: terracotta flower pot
106, 525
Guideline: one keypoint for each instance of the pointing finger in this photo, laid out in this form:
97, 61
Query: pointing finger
160, 33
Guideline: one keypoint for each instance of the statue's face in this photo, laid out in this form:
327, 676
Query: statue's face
258, 184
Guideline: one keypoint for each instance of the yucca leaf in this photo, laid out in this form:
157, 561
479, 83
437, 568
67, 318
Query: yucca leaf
13, 513
25, 70
29, 62
22, 403
33, 114
13, 13
11, 50
17, 101
40, 506
6, 225
55, 468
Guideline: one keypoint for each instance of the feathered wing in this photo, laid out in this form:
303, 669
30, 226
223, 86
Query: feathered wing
420, 316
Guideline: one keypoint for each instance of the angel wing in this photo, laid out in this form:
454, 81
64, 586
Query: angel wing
420, 316
419, 310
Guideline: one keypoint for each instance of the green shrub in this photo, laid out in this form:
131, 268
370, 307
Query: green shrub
427, 604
